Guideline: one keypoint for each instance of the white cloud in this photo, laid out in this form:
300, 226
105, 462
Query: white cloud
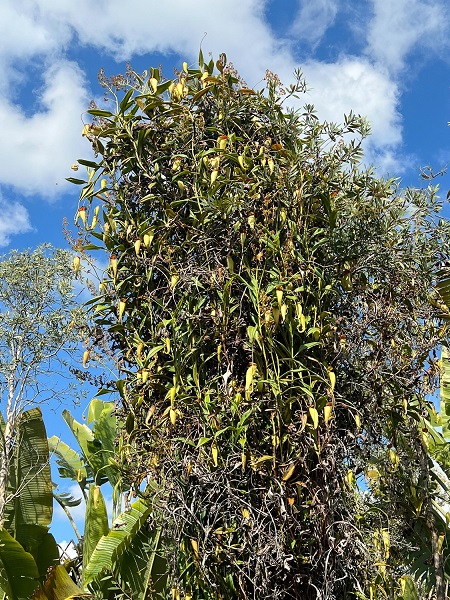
175, 26
37, 150
353, 84
389, 161
39, 146
77, 512
349, 84
399, 27
14, 220
313, 19
67, 550
24, 30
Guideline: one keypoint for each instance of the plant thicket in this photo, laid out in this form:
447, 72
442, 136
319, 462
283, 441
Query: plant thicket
274, 307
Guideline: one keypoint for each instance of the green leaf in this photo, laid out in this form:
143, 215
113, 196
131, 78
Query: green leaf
60, 586
163, 87
66, 499
34, 504
105, 431
70, 463
18, 570
200, 93
96, 112
83, 435
409, 587
142, 567
92, 247
111, 547
47, 554
88, 163
87, 191
96, 522
95, 409
445, 392
75, 181
125, 101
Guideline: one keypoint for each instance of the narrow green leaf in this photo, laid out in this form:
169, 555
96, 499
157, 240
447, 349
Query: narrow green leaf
96, 112
125, 101
76, 181
88, 163
163, 87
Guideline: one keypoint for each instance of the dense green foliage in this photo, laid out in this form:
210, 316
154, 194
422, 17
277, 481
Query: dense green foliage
274, 307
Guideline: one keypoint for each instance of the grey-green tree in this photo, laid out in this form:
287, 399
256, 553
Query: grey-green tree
40, 329
275, 307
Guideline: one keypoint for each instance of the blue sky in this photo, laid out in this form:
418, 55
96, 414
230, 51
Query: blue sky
387, 60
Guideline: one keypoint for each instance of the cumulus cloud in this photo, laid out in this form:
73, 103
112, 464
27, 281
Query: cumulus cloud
349, 83
352, 84
39, 145
25, 31
399, 27
67, 550
37, 150
313, 19
172, 26
14, 220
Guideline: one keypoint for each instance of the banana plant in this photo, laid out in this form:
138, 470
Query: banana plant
125, 555
27, 549
128, 557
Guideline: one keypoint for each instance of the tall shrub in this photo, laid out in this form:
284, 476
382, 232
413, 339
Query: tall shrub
273, 303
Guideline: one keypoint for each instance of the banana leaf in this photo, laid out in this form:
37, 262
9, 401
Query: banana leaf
112, 547
105, 430
91, 447
34, 503
445, 392
96, 406
96, 523
59, 586
143, 570
443, 287
46, 554
19, 575
66, 499
409, 589
29, 513
70, 464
